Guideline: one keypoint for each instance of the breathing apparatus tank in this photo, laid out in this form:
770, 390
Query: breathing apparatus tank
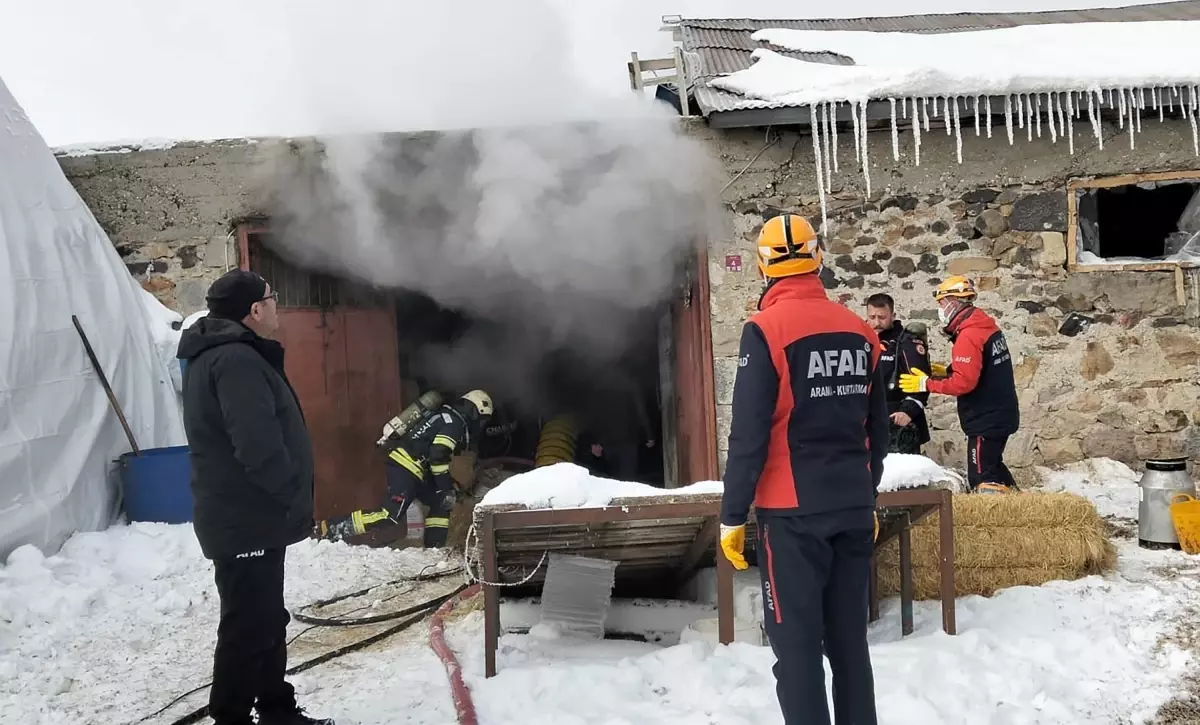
418, 409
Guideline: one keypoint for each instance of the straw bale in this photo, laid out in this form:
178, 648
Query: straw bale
1003, 541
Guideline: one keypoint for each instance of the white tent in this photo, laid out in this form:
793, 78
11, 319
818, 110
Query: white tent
59, 437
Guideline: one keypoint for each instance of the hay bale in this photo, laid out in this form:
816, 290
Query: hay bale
1004, 541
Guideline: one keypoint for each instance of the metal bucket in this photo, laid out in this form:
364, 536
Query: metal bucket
1163, 480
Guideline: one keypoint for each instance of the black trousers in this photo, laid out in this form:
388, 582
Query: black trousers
815, 571
251, 655
402, 489
985, 461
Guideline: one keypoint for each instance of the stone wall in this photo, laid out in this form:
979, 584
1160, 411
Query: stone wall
169, 212
1107, 363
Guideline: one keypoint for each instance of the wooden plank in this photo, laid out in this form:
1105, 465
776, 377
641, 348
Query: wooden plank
491, 597
725, 613
946, 550
709, 533
906, 579
612, 512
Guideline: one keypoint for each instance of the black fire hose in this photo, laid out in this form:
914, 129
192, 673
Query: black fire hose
425, 610
418, 612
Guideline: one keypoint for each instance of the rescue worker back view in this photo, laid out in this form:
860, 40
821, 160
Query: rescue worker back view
419, 468
806, 448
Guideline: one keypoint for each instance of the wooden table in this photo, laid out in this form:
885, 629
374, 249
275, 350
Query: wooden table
663, 536
898, 511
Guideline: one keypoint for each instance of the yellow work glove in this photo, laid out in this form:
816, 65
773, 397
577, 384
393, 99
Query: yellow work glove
876, 514
914, 382
938, 370
733, 541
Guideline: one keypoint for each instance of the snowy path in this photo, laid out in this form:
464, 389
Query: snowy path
122, 621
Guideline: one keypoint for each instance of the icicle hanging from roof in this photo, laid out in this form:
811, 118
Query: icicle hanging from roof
815, 126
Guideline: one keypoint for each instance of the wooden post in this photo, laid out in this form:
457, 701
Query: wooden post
681, 82
725, 613
491, 597
635, 73
906, 576
946, 550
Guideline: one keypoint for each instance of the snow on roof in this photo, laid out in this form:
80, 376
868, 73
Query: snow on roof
1028, 59
566, 485
1041, 75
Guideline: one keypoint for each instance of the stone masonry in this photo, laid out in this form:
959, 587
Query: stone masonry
1107, 363
170, 212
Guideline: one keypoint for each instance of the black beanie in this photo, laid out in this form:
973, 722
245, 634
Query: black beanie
231, 296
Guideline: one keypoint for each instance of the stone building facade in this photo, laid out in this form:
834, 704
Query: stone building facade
170, 212
1107, 362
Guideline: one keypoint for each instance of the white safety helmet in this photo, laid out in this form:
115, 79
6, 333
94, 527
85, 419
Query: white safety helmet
481, 400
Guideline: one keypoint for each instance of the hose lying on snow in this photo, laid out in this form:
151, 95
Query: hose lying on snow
557, 442
464, 707
418, 612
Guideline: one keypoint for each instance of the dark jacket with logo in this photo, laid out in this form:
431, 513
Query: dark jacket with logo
903, 351
252, 463
980, 376
434, 440
810, 426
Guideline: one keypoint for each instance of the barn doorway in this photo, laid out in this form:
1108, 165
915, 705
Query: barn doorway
356, 356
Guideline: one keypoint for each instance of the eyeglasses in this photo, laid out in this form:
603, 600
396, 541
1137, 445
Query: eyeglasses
272, 296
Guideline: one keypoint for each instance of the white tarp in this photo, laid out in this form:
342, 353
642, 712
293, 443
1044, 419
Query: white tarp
59, 436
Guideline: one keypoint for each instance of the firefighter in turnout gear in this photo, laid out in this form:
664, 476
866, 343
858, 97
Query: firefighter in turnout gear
903, 350
981, 377
806, 448
418, 468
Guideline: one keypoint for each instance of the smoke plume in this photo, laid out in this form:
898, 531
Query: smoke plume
560, 216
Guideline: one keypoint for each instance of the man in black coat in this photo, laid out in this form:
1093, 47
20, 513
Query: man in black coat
252, 483
902, 352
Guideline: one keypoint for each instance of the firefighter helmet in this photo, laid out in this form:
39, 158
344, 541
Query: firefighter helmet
481, 400
957, 286
788, 246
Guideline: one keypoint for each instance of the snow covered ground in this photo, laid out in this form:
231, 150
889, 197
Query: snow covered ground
121, 621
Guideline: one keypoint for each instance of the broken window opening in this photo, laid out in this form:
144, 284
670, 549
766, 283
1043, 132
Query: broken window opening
1147, 221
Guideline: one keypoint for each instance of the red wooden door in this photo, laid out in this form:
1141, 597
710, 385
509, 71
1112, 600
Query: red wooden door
343, 362
695, 396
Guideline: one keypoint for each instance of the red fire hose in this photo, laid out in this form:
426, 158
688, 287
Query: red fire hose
463, 706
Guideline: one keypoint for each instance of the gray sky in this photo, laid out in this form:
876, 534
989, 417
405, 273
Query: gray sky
117, 70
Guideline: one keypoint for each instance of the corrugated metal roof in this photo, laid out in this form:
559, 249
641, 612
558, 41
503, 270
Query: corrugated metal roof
720, 46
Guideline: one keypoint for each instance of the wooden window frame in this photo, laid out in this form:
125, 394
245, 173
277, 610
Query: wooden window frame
1107, 182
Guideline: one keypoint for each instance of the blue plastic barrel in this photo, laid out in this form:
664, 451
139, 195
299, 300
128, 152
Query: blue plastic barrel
157, 485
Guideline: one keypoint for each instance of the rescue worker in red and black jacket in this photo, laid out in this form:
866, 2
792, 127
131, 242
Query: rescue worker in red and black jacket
418, 468
981, 377
902, 351
806, 448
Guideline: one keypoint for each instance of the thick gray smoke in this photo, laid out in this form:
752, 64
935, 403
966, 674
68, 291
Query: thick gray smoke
561, 218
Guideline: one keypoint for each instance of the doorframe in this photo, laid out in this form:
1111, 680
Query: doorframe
244, 230
708, 385
691, 319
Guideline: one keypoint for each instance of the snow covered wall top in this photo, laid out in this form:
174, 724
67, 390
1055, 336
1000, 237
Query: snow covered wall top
1043, 75
58, 434
1027, 59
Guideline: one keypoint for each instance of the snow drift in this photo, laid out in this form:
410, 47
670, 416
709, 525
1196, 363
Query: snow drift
58, 434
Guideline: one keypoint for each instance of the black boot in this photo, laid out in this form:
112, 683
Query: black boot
296, 717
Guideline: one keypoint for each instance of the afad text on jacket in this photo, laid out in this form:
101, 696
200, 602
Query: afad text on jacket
810, 423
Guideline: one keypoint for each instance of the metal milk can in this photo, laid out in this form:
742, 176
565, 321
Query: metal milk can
1163, 480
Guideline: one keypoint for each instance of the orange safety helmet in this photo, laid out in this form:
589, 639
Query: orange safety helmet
957, 286
788, 246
